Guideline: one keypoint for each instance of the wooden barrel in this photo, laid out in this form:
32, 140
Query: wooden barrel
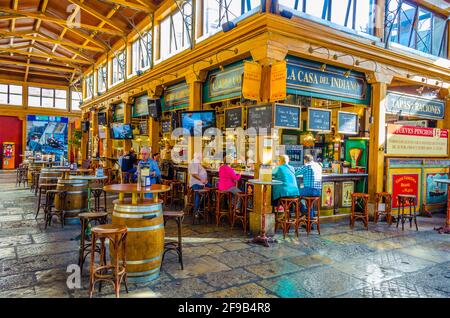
32, 167
145, 238
76, 199
49, 176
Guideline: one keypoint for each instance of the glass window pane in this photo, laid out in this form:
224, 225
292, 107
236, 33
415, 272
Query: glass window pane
47, 102
3, 98
165, 37
35, 91
315, 7
15, 99
439, 35
177, 37
59, 93
15, 89
135, 56
424, 31
365, 15
406, 23
60, 103
339, 12
34, 101
3, 88
234, 10
47, 92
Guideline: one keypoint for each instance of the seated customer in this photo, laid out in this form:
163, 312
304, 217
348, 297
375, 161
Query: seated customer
228, 179
312, 180
198, 178
128, 162
286, 174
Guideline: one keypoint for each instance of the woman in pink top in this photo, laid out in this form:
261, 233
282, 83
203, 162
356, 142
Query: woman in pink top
228, 179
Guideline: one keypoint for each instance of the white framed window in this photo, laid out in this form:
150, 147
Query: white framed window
175, 32
10, 94
141, 52
75, 99
118, 67
47, 97
89, 83
102, 78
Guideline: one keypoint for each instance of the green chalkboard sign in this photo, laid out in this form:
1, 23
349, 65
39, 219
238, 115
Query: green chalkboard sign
347, 123
319, 119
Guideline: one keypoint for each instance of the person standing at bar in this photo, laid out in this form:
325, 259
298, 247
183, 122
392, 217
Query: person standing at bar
286, 174
228, 179
198, 177
312, 180
149, 163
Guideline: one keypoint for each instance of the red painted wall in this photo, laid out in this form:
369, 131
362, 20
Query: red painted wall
11, 130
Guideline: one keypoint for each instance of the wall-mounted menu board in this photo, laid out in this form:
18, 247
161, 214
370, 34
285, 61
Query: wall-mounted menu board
287, 116
260, 117
319, 119
166, 126
233, 117
347, 123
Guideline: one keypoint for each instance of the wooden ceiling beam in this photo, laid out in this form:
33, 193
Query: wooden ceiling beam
94, 13
149, 4
48, 40
132, 5
41, 66
13, 22
45, 56
45, 17
32, 72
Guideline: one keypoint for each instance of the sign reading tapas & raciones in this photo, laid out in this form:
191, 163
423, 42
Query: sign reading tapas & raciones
402, 104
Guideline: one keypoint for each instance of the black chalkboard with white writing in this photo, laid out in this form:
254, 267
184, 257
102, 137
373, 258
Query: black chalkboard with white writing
287, 116
260, 117
166, 126
319, 119
233, 117
347, 123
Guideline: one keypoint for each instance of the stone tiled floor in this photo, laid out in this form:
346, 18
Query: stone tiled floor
381, 262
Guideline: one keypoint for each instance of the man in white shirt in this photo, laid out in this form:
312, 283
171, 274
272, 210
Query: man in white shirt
198, 177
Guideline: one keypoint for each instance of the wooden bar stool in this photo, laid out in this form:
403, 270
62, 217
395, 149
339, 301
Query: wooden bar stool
178, 217
167, 196
212, 199
220, 195
112, 272
239, 210
97, 194
308, 220
383, 206
50, 209
177, 194
286, 221
411, 201
357, 199
43, 188
203, 206
85, 245
189, 206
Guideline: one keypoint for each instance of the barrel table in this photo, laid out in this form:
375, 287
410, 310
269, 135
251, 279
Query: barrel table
76, 200
145, 223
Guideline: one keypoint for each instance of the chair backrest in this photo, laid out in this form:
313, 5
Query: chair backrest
86, 164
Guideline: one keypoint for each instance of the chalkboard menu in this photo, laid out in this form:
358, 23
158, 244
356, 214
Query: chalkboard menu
319, 119
260, 117
143, 127
233, 117
166, 126
287, 116
347, 123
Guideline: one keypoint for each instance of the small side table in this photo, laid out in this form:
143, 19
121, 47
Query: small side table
262, 238
446, 228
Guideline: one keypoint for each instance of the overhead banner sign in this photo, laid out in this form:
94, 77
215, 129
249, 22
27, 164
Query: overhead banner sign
176, 97
252, 80
224, 84
310, 78
404, 105
278, 81
416, 141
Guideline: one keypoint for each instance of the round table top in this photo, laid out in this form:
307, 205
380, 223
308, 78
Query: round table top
447, 181
87, 177
258, 181
132, 188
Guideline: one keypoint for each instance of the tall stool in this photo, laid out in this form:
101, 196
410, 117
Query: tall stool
112, 272
97, 194
85, 245
211, 199
43, 188
189, 206
360, 198
286, 221
386, 199
309, 221
240, 213
177, 246
202, 209
411, 201
167, 196
220, 195
51, 210
177, 194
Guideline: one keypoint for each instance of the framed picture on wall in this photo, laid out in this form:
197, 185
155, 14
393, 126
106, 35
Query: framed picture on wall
181, 176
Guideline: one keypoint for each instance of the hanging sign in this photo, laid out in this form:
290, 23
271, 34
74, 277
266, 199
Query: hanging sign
223, 84
176, 97
347, 123
278, 81
287, 116
233, 117
140, 106
305, 77
319, 120
252, 80
260, 117
410, 105
416, 141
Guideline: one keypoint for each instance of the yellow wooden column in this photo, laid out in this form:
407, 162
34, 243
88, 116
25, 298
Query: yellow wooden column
377, 142
94, 130
127, 113
153, 125
265, 55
